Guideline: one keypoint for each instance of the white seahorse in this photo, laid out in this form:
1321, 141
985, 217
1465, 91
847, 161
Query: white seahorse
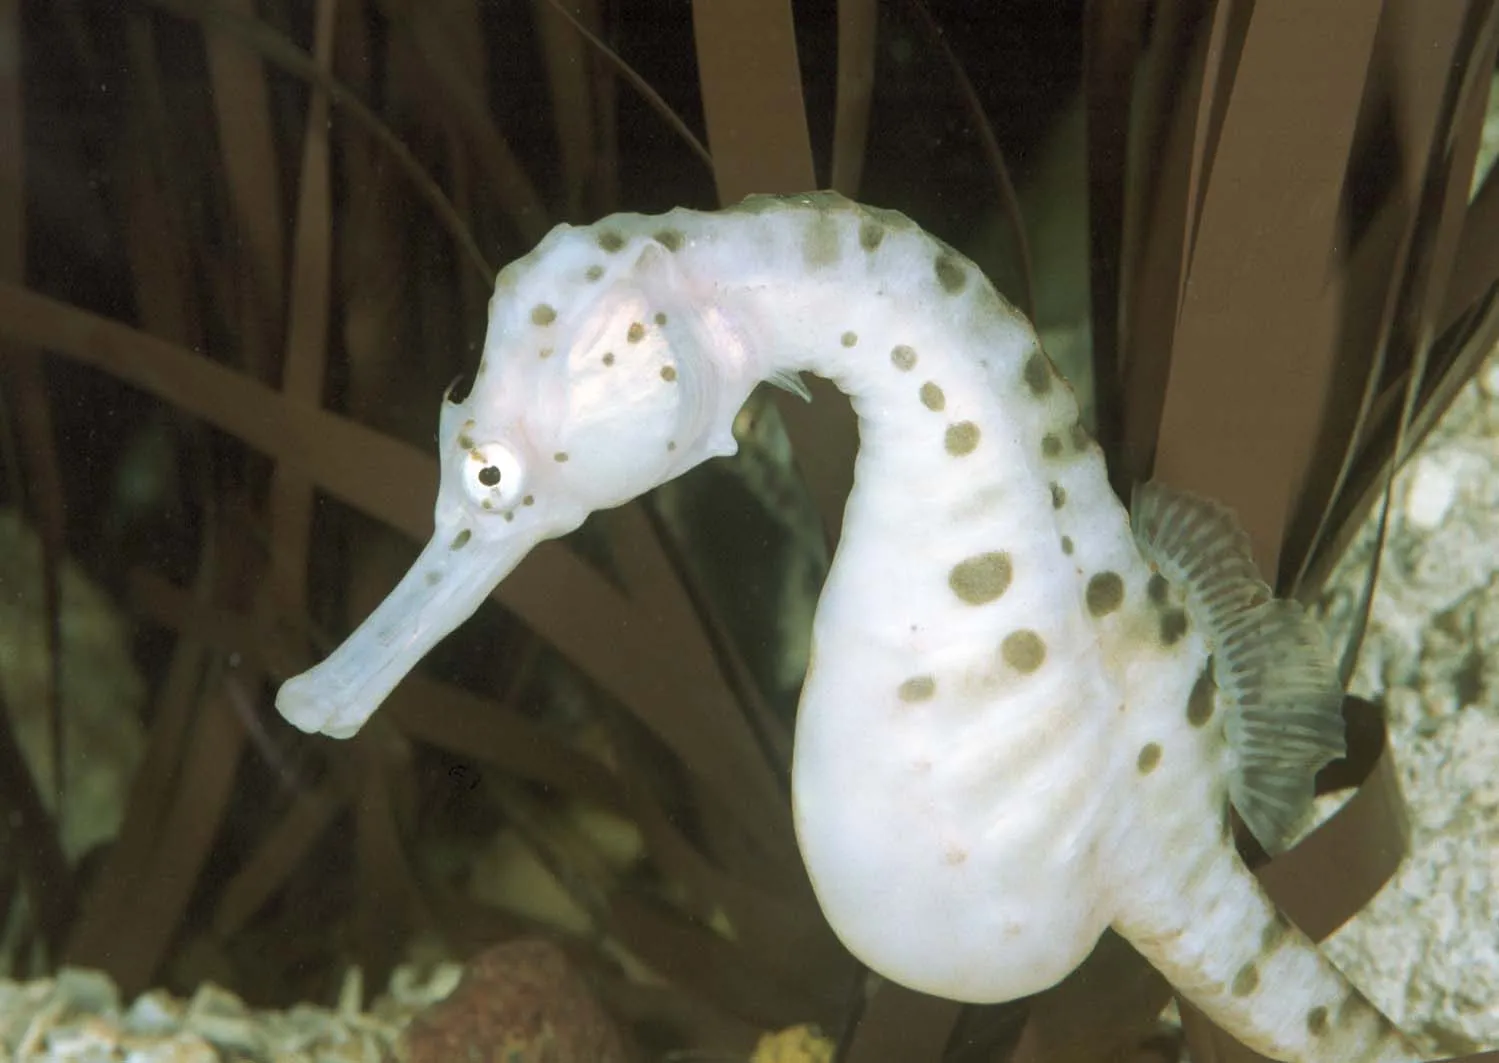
1022, 723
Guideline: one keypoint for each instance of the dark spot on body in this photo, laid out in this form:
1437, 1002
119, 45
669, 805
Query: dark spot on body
950, 273
489, 476
1200, 701
529, 500
932, 397
1173, 626
848, 339
461, 540
1037, 374
1024, 651
1157, 589
465, 441
1149, 758
917, 688
672, 445
432, 579
1105, 593
560, 456
1316, 1021
542, 314
544, 353
608, 357
668, 373
1081, 440
593, 273
954, 855
611, 241
1051, 445
870, 235
962, 438
982, 578
670, 239
1246, 981
904, 358
660, 318
1067, 545
635, 333
1058, 496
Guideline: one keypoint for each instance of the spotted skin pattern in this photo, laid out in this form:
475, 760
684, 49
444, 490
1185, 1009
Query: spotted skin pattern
1010, 739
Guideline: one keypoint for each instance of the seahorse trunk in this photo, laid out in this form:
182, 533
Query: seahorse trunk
1210, 928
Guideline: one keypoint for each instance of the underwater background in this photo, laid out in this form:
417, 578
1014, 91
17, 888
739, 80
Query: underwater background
245, 245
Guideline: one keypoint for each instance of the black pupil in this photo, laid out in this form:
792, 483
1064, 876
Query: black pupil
489, 476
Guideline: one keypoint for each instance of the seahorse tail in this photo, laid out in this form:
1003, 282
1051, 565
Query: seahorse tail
1214, 933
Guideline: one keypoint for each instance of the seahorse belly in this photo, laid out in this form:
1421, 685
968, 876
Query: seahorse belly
956, 775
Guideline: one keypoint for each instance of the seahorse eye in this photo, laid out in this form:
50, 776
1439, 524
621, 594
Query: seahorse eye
492, 476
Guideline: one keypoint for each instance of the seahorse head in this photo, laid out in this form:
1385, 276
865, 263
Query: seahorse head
604, 374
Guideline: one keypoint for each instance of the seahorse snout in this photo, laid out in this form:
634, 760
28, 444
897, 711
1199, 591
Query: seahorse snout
449, 580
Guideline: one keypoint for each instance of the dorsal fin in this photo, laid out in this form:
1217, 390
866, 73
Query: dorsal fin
1274, 672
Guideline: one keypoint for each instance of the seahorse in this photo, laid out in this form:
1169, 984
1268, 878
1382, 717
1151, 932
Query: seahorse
1025, 715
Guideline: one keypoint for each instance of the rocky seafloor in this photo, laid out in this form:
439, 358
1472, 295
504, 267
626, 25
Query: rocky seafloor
1426, 949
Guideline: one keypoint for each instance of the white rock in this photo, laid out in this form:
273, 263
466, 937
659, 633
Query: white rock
1427, 948
1433, 489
